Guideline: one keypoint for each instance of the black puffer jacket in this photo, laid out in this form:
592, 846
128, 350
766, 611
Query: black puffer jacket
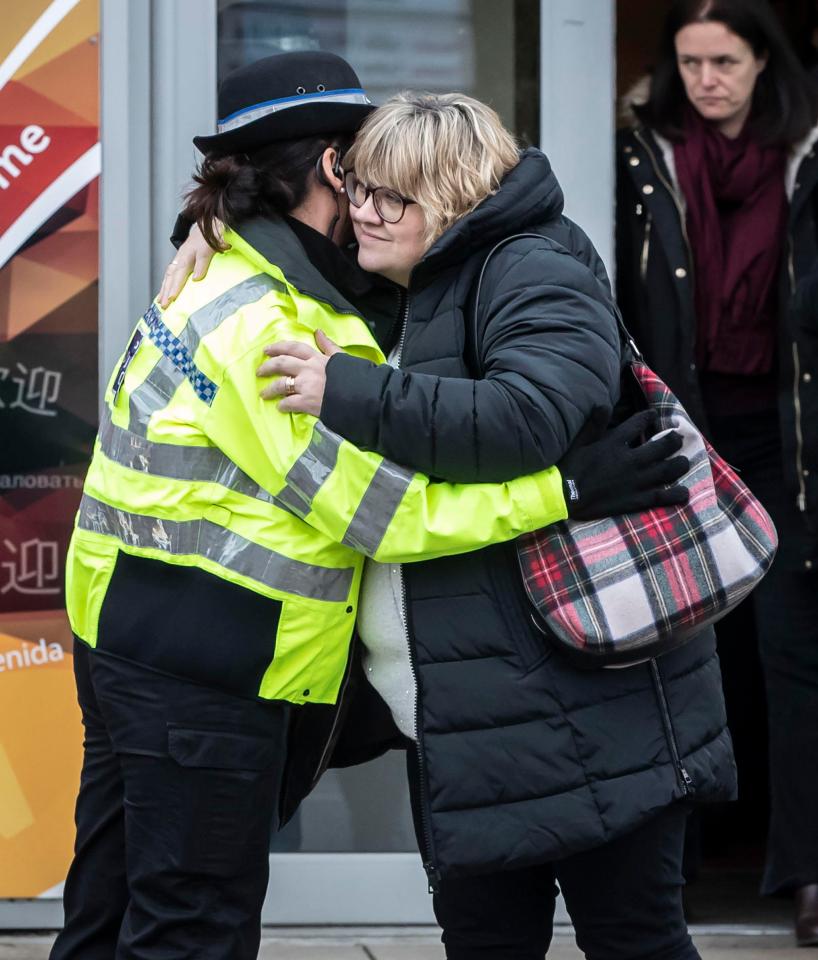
523, 758
655, 291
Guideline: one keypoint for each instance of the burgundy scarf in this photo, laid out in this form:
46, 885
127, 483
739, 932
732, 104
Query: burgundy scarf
736, 221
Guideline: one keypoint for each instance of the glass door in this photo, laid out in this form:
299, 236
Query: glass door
486, 49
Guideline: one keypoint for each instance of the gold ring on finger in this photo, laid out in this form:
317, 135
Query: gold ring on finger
289, 386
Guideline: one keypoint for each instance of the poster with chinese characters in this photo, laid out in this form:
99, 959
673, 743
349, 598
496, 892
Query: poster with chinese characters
49, 171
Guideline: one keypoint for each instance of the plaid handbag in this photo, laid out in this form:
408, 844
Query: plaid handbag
627, 588
619, 591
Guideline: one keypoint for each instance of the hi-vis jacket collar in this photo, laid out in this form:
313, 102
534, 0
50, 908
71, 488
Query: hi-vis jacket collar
273, 247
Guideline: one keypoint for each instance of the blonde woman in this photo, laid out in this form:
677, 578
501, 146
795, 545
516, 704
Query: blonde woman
524, 770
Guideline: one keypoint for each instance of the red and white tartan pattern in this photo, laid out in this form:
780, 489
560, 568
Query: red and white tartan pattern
631, 586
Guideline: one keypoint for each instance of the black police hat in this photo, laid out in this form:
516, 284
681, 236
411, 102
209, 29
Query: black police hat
285, 97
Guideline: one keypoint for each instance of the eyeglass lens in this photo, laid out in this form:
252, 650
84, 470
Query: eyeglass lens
388, 205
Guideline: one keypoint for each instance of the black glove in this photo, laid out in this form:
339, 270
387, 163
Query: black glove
623, 471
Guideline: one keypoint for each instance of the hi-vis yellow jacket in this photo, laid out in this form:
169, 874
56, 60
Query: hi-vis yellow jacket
191, 467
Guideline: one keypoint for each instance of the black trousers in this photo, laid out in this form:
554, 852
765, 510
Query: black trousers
624, 898
178, 795
786, 613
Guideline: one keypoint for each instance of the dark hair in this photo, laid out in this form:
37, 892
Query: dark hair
268, 182
785, 99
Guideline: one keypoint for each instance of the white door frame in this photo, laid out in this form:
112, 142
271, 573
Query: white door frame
577, 110
158, 89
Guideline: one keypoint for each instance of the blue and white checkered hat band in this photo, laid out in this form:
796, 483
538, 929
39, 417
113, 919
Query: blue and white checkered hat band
250, 114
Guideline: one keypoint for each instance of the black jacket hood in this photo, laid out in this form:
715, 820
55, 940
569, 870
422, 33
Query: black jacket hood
528, 195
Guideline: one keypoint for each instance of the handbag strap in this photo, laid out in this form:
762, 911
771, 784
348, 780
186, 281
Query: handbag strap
623, 330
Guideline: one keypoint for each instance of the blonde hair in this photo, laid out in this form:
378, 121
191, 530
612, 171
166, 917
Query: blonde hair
448, 152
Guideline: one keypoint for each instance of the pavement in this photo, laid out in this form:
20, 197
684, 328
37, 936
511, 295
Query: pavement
424, 944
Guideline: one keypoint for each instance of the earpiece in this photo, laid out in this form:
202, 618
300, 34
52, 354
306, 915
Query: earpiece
319, 171
337, 170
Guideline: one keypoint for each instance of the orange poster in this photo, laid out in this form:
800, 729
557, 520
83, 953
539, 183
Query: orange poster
49, 188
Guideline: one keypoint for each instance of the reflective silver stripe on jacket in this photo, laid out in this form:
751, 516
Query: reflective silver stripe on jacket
309, 472
176, 461
203, 538
153, 394
377, 508
211, 465
162, 382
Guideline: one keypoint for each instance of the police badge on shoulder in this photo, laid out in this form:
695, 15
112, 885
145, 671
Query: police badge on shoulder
128, 356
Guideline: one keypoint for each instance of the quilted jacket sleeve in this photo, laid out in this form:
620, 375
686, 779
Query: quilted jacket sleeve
550, 354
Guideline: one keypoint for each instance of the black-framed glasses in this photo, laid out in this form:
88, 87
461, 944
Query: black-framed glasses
389, 205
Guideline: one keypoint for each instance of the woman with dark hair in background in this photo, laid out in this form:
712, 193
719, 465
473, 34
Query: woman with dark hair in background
717, 265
